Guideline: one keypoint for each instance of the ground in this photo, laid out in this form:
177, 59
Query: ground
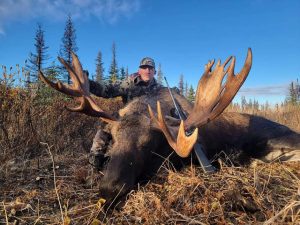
45, 178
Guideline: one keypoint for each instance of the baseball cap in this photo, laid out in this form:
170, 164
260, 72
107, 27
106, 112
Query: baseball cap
147, 61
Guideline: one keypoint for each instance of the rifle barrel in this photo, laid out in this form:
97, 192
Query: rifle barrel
182, 116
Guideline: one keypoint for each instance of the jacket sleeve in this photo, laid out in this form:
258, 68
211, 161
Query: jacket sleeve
100, 89
97, 88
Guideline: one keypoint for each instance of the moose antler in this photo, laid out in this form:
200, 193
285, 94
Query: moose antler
212, 97
183, 142
79, 90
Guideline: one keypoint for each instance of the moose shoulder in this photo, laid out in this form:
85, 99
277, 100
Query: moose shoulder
146, 124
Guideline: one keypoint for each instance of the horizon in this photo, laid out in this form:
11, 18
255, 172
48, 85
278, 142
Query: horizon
182, 41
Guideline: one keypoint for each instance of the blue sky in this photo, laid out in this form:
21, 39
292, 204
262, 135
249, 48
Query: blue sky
181, 35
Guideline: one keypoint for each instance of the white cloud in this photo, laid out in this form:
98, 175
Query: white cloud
272, 90
109, 11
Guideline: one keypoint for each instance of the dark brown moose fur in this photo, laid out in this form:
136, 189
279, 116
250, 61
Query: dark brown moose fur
139, 148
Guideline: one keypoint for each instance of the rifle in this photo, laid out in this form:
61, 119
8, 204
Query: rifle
203, 160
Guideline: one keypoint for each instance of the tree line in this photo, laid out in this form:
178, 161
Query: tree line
292, 99
293, 96
37, 59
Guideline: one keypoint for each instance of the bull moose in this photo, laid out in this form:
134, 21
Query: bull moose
141, 130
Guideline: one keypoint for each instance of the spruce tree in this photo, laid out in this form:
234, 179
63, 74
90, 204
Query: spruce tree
292, 97
191, 94
113, 70
256, 105
243, 103
38, 58
122, 73
126, 73
99, 68
159, 75
181, 84
297, 90
68, 45
52, 71
46, 93
186, 89
267, 105
250, 104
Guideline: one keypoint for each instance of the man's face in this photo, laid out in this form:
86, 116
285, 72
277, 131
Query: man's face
147, 73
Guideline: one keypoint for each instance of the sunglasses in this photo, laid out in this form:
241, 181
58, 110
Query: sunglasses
147, 67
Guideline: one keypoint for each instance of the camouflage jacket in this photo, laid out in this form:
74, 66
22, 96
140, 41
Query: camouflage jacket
129, 88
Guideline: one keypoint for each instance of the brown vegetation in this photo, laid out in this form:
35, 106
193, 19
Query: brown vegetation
286, 114
38, 189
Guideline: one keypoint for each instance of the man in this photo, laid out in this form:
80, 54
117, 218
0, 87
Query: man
137, 84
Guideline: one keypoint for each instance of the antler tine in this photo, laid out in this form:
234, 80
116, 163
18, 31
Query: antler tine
83, 79
184, 144
74, 77
233, 84
88, 107
59, 86
212, 97
80, 90
227, 60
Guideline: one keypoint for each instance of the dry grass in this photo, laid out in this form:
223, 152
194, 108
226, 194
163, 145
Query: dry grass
288, 115
231, 196
31, 194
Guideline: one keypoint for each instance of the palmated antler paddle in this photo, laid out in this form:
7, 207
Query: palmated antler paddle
182, 142
212, 97
79, 90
